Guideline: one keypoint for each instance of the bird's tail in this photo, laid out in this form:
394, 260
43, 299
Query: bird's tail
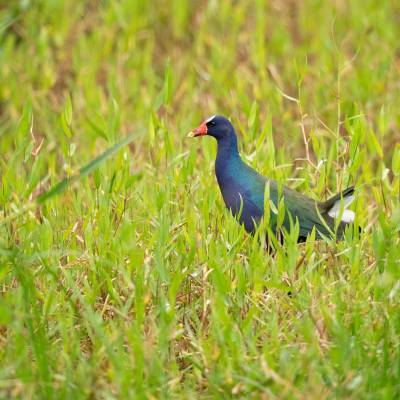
332, 206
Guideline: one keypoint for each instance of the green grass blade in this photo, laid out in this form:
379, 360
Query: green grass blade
85, 170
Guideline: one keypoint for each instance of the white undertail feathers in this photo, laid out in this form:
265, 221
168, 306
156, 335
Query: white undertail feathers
347, 215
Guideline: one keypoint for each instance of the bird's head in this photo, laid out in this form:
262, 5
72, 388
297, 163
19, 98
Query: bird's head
217, 126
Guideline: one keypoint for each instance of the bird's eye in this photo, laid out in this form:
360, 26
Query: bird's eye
212, 122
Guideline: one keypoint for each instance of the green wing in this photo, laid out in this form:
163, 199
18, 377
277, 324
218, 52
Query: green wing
300, 207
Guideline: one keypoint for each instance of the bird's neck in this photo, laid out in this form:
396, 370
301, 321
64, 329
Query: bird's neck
227, 155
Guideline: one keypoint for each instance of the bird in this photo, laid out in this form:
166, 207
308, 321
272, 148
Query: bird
243, 190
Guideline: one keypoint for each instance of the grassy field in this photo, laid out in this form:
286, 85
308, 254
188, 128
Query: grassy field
135, 282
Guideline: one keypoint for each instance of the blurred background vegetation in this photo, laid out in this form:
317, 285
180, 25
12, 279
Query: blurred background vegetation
136, 282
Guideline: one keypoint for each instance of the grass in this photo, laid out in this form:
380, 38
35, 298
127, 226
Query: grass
135, 282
